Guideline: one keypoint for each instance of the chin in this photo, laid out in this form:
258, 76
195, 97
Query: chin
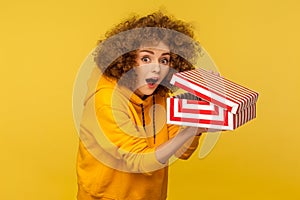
147, 91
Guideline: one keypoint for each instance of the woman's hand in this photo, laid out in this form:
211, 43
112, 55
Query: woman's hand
201, 130
215, 73
194, 131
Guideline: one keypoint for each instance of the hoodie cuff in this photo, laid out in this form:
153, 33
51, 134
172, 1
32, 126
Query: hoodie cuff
150, 163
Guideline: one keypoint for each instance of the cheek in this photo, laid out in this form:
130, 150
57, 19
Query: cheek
140, 72
164, 71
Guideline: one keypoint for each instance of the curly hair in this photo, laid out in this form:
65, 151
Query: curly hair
116, 55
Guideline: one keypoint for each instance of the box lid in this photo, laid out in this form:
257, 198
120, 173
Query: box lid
215, 89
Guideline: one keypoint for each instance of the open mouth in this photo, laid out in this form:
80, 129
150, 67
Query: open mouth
151, 81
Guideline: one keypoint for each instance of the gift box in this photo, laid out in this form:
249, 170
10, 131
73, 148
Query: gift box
211, 102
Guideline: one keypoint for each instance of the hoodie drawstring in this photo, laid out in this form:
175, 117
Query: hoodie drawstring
153, 118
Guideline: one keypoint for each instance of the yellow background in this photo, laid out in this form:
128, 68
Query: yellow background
255, 43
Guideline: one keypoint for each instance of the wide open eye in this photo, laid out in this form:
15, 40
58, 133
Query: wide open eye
145, 59
164, 61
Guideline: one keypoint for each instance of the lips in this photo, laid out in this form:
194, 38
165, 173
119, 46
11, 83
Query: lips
151, 81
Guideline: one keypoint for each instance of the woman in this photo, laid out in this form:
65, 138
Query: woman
126, 145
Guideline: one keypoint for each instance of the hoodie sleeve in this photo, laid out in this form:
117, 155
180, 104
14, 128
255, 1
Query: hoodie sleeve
188, 148
114, 131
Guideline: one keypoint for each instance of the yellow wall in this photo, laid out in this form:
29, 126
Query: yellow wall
255, 43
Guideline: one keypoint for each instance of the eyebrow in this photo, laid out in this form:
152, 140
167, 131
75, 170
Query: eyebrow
151, 52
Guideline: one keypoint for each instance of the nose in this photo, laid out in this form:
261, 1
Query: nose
156, 67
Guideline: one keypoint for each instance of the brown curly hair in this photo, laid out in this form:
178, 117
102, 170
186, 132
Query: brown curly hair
116, 55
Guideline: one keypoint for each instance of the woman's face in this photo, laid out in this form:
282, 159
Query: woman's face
153, 66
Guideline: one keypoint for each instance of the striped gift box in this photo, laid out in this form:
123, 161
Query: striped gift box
211, 102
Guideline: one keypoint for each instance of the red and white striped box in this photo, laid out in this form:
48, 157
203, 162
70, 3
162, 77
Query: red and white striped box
223, 104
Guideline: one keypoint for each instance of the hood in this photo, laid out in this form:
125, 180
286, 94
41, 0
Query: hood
97, 82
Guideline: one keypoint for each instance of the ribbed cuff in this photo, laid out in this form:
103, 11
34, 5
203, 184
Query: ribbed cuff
150, 163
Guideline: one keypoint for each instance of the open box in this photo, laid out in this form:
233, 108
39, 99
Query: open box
212, 101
